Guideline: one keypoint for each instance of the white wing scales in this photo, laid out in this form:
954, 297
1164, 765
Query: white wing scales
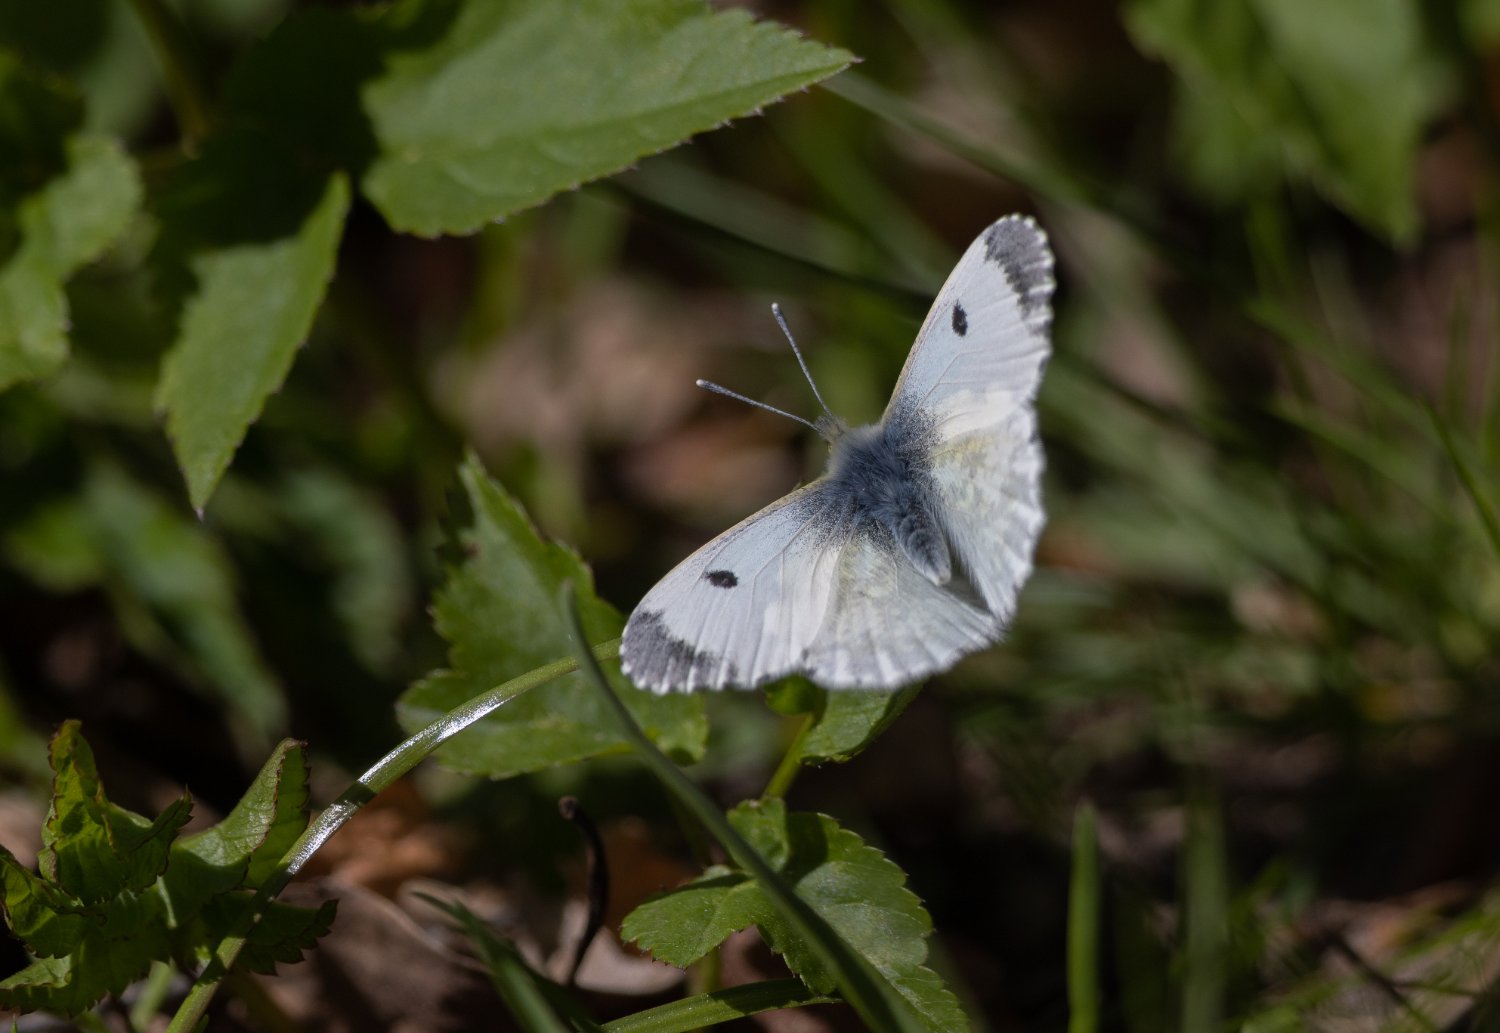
813, 584
745, 607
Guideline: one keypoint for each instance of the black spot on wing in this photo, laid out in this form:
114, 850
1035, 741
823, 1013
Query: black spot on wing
721, 578
656, 659
960, 320
1019, 247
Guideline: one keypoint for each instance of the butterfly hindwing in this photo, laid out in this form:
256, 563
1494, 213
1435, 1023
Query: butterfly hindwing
887, 625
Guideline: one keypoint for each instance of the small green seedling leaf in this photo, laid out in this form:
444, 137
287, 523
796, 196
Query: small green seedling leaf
498, 612
859, 892
501, 105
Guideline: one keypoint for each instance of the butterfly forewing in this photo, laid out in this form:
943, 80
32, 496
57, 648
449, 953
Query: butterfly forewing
743, 609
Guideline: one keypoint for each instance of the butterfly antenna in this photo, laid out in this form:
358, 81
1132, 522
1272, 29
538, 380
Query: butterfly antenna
709, 385
781, 321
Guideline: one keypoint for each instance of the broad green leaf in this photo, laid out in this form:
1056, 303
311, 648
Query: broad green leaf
494, 106
1338, 93
844, 721
123, 937
498, 611
256, 272
92, 849
63, 226
852, 886
243, 849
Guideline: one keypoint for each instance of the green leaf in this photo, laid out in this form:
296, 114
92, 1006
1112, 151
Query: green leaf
505, 103
63, 226
243, 849
1337, 93
844, 721
92, 849
258, 243
498, 612
283, 933
46, 919
852, 886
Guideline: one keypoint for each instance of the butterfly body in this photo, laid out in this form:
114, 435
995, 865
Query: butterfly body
910, 550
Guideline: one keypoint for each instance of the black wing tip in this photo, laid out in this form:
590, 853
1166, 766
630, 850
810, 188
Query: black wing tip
1019, 246
655, 659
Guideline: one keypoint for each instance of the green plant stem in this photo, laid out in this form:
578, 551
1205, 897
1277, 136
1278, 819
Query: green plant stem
1083, 926
380, 776
791, 763
181, 72
864, 988
721, 1006
153, 992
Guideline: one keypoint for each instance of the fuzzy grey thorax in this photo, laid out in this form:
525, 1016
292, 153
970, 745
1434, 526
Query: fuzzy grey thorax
879, 473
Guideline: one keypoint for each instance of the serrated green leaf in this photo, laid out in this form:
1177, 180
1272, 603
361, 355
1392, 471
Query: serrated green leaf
852, 886
280, 936
46, 919
121, 939
496, 106
1338, 93
243, 849
498, 612
63, 226
43, 985
92, 849
257, 268
845, 721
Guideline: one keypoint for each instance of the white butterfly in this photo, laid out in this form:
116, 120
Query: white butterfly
908, 553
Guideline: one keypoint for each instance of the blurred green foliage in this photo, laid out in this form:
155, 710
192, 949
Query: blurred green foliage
239, 379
